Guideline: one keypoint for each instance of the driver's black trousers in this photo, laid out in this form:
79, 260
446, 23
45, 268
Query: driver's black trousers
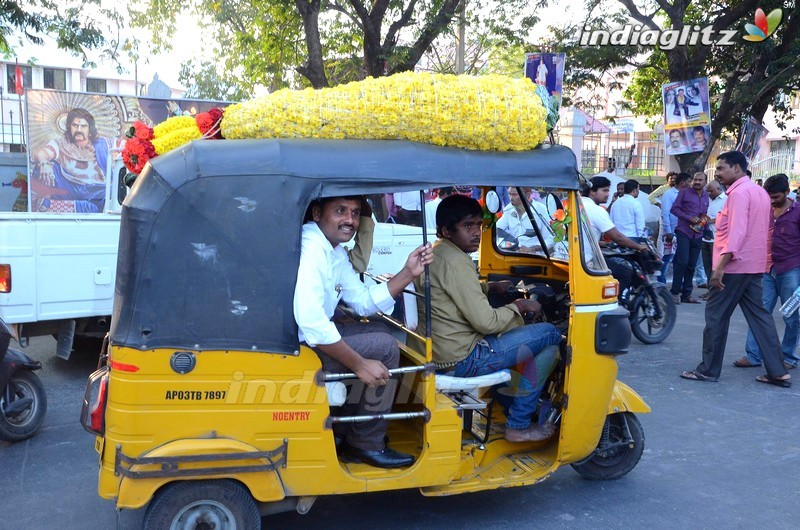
371, 340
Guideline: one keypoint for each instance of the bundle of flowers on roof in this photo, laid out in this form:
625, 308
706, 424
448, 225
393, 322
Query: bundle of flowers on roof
491, 113
487, 113
145, 143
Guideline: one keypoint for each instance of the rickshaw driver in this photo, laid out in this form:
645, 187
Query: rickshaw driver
469, 336
325, 276
596, 193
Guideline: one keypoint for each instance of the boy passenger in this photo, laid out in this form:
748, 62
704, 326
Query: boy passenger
470, 337
326, 276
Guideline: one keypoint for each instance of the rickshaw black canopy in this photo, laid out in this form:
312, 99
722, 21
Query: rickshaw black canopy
210, 233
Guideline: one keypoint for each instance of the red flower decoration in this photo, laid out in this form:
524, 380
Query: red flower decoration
142, 131
210, 123
137, 153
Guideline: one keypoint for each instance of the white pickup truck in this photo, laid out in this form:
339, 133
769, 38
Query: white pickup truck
57, 271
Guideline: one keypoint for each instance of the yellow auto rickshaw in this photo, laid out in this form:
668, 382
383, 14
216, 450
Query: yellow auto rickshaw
207, 409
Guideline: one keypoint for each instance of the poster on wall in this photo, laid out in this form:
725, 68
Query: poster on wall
75, 142
687, 116
546, 69
750, 137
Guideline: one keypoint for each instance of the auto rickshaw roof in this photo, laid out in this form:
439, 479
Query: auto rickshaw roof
210, 233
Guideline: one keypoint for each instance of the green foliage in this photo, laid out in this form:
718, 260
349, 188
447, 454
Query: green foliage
745, 78
76, 26
296, 43
204, 81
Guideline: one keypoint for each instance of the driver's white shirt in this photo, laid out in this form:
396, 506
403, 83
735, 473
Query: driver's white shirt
517, 225
598, 217
324, 277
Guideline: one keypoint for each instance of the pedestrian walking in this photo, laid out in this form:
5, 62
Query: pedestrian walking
739, 263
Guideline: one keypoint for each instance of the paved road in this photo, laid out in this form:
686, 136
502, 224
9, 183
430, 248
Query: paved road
718, 455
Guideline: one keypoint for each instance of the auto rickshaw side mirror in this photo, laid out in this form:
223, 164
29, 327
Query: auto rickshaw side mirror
492, 201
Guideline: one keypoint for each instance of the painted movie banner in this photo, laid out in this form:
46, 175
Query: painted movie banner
75, 143
687, 116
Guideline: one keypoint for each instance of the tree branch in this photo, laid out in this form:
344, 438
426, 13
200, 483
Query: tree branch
397, 25
637, 15
432, 29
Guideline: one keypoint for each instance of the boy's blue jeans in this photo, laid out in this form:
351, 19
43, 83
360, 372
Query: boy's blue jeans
535, 346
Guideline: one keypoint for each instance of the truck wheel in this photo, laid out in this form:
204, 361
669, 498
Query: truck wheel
616, 454
195, 505
26, 389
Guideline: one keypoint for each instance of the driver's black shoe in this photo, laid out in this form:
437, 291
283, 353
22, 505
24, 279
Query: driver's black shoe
387, 458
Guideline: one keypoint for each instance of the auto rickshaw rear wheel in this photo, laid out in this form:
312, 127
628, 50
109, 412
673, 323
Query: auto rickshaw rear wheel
203, 505
620, 448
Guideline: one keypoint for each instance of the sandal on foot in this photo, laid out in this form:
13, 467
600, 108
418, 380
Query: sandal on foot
785, 383
694, 375
744, 362
690, 300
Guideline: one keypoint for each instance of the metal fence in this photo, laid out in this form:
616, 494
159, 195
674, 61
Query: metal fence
632, 155
776, 161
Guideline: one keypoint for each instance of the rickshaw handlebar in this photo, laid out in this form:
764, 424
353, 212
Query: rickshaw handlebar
428, 368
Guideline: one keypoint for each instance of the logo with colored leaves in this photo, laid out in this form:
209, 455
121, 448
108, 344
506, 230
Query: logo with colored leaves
765, 25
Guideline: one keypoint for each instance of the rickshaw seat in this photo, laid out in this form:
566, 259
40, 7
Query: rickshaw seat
449, 383
463, 392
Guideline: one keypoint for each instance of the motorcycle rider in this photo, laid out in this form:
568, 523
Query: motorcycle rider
594, 194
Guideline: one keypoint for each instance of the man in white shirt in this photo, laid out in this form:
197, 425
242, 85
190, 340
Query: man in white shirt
515, 225
409, 208
602, 225
627, 214
326, 276
718, 198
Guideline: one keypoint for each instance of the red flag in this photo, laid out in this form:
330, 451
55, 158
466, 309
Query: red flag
19, 84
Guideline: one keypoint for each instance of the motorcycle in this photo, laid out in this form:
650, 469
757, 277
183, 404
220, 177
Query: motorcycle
651, 306
23, 402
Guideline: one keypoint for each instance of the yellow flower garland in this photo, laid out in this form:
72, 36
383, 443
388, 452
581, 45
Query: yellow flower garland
487, 113
176, 137
173, 124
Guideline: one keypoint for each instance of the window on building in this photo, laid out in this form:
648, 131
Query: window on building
10, 81
55, 78
96, 85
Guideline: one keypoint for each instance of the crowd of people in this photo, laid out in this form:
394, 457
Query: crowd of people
736, 238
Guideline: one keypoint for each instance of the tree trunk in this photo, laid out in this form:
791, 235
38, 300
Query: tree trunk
314, 68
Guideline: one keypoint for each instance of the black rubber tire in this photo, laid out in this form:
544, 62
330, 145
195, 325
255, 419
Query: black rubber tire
224, 503
24, 425
621, 460
643, 328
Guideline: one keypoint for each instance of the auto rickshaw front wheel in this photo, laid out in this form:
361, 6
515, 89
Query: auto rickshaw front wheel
619, 450
203, 504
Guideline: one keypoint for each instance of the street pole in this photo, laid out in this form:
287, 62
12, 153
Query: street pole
461, 37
